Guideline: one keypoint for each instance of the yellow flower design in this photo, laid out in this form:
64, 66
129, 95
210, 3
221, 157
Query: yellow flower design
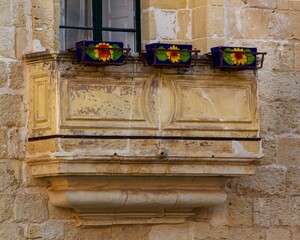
238, 58
103, 52
173, 56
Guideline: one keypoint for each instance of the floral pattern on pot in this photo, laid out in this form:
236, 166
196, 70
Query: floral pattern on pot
174, 55
104, 51
238, 56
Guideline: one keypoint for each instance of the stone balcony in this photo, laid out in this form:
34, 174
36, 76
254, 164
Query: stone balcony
136, 144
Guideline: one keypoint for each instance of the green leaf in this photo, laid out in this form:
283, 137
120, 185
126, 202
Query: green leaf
185, 56
161, 55
250, 57
227, 57
117, 53
91, 51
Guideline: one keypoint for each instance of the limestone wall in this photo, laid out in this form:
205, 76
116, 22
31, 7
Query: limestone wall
265, 206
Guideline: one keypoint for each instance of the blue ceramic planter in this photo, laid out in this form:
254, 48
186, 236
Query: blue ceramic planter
164, 54
234, 57
99, 52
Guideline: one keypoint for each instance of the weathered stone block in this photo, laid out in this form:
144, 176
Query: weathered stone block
297, 56
16, 75
10, 172
21, 42
283, 86
219, 215
289, 150
11, 110
199, 30
18, 13
168, 232
6, 203
5, 16
240, 211
31, 207
148, 26
278, 234
256, 23
262, 3
11, 231
279, 24
295, 22
203, 231
51, 230
215, 21
168, 4
74, 233
293, 181
59, 213
294, 5
296, 235
268, 180
235, 18
3, 143
283, 4
165, 22
16, 143
279, 118
247, 234
197, 3
184, 24
131, 232
3, 74
7, 46
276, 212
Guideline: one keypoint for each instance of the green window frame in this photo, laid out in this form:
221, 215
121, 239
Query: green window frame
98, 27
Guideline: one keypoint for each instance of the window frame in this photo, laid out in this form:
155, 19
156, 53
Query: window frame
98, 28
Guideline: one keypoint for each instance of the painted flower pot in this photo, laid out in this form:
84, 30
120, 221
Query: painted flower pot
233, 57
168, 54
99, 52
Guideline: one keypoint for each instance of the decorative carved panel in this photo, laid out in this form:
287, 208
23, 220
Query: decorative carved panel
106, 102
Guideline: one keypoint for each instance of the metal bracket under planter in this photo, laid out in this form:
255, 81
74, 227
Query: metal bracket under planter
194, 57
222, 66
83, 61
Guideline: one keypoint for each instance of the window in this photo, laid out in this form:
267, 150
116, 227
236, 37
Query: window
104, 20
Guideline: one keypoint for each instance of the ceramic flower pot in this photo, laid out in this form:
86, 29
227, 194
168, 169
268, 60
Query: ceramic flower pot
233, 57
99, 52
168, 54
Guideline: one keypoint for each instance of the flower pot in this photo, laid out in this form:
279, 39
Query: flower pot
234, 57
164, 54
100, 52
